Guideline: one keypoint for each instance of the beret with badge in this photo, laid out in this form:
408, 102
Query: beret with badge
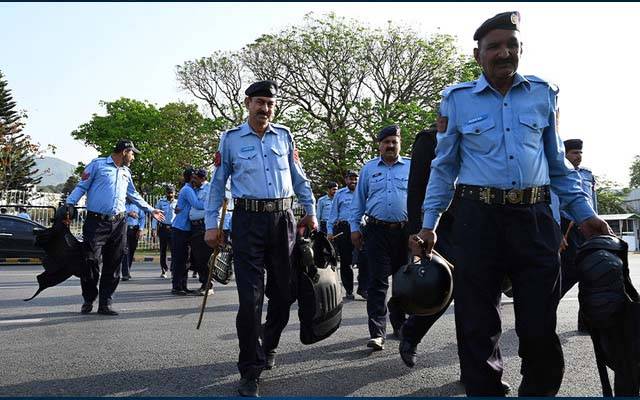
262, 89
391, 130
509, 20
124, 144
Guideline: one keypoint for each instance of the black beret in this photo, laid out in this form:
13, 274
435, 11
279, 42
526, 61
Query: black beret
509, 20
125, 144
391, 130
262, 89
350, 173
572, 144
201, 172
332, 185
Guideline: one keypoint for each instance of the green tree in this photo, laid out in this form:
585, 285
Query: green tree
610, 197
69, 184
17, 152
634, 172
340, 83
169, 138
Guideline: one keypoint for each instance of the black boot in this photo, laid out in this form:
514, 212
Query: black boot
248, 387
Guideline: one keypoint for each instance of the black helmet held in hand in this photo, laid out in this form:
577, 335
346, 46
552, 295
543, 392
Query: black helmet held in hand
424, 288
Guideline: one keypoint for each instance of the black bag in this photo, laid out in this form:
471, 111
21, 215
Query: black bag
611, 308
318, 290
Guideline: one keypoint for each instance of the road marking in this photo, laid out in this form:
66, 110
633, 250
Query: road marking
21, 321
16, 287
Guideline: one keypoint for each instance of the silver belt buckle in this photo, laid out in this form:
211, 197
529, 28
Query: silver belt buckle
515, 196
270, 206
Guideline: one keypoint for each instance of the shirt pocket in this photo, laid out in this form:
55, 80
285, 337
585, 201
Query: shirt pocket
532, 126
246, 161
281, 156
480, 136
401, 182
377, 183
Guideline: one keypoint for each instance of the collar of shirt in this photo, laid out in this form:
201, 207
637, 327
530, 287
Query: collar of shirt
399, 160
247, 130
482, 83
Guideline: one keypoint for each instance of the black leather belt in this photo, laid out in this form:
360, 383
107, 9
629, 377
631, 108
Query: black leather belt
489, 195
391, 225
133, 226
198, 222
105, 217
266, 205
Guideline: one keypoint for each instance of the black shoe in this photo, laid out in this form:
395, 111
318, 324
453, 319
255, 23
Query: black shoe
408, 353
190, 291
178, 292
126, 278
106, 310
86, 308
271, 360
506, 388
350, 296
248, 387
362, 293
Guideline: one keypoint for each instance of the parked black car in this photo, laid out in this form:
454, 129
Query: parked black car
17, 237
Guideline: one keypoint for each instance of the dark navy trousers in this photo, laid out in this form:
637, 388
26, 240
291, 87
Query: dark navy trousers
262, 244
520, 241
387, 251
179, 255
102, 240
164, 237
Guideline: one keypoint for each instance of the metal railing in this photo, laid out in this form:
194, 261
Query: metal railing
42, 206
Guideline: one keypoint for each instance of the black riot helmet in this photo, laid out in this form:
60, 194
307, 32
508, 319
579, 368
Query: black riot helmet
313, 252
602, 264
424, 288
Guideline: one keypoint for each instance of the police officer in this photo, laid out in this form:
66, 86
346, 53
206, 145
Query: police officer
162, 230
497, 136
572, 233
135, 225
381, 195
324, 206
338, 224
107, 183
200, 250
180, 234
266, 173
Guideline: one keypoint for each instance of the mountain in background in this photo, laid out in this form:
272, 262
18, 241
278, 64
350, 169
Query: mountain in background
54, 171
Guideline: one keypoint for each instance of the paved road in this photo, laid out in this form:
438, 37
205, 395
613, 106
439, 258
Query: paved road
153, 348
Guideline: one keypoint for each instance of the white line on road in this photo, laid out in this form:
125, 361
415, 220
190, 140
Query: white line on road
21, 321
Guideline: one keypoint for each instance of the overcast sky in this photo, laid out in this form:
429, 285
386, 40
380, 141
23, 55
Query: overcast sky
61, 59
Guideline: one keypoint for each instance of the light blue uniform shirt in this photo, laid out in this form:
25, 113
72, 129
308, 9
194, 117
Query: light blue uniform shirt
107, 187
139, 222
324, 207
168, 207
24, 215
202, 193
381, 192
588, 184
187, 198
503, 142
227, 220
260, 168
340, 208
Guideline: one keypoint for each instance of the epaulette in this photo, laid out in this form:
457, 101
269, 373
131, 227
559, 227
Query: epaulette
461, 85
533, 78
237, 128
285, 128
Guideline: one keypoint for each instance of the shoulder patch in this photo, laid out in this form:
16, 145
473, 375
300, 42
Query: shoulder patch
552, 86
463, 85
